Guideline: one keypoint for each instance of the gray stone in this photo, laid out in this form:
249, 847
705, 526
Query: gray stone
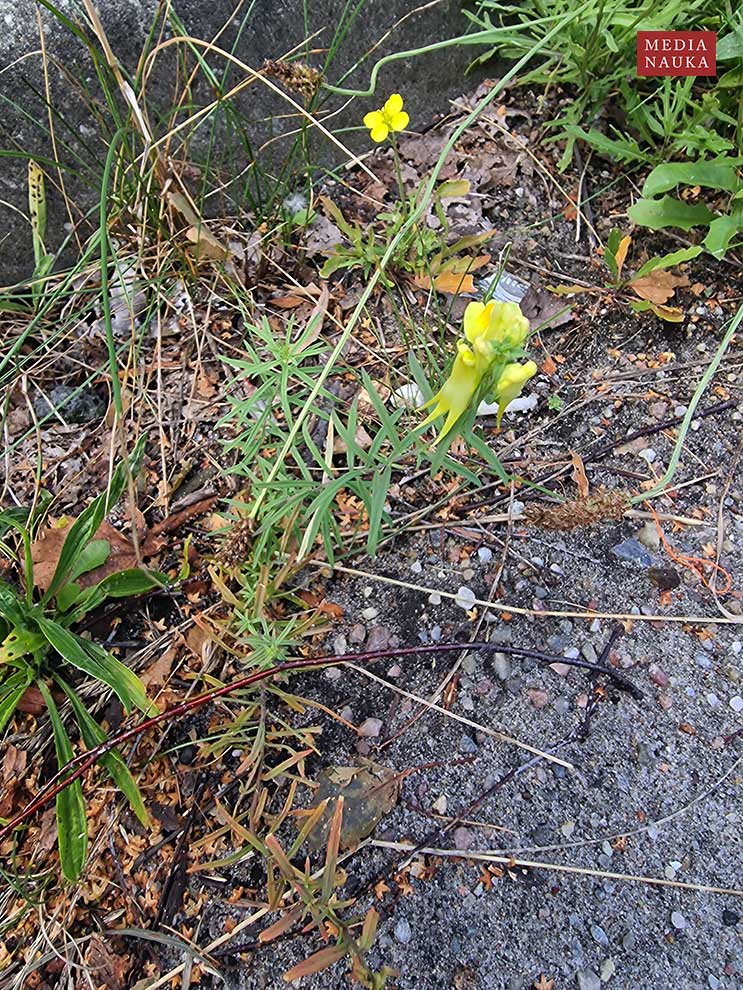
588, 980
599, 935
403, 931
73, 406
633, 552
678, 920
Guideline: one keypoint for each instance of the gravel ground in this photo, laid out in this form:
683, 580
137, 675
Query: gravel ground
652, 792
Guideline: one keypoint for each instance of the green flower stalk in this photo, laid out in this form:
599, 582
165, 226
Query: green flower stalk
496, 333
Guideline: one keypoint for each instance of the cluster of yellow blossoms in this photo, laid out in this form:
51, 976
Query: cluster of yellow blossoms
496, 333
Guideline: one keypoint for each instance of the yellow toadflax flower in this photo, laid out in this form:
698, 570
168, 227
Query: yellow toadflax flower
496, 332
457, 391
510, 382
390, 118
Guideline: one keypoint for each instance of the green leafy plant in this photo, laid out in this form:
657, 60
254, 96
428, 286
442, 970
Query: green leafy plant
40, 648
658, 210
649, 119
423, 254
648, 283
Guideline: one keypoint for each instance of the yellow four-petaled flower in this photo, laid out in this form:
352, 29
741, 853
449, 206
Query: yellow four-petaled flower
390, 118
494, 330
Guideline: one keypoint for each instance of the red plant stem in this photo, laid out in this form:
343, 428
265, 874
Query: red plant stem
79, 764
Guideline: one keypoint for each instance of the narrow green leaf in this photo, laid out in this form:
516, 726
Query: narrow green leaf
380, 487
11, 693
668, 260
93, 735
97, 662
72, 825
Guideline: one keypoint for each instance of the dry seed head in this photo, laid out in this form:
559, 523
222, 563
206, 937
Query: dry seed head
579, 512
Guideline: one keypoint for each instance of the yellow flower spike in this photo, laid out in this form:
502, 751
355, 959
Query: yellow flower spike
391, 118
457, 391
512, 379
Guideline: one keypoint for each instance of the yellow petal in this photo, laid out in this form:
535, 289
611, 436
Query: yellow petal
373, 118
393, 105
399, 122
379, 132
512, 380
473, 319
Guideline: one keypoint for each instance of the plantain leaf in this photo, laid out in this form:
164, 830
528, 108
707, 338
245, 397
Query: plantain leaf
82, 530
97, 662
72, 825
93, 735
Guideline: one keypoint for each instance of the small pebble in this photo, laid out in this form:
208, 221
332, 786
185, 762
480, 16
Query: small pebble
332, 674
403, 932
599, 935
370, 612
730, 918
678, 920
649, 536
713, 983
588, 980
658, 676
416, 567
502, 666
467, 744
357, 633
370, 728
485, 554
736, 703
378, 638
465, 598
538, 697
434, 598
633, 552
463, 838
608, 969
648, 455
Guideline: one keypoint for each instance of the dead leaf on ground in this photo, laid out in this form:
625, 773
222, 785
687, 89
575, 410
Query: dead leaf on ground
579, 474
658, 286
369, 793
46, 550
450, 282
106, 968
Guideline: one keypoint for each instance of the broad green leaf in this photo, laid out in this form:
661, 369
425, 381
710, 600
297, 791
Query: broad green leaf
93, 735
95, 554
72, 825
717, 174
612, 246
721, 232
668, 260
122, 584
669, 212
20, 642
116, 669
97, 662
731, 46
82, 530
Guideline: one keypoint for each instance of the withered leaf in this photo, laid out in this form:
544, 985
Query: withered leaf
369, 793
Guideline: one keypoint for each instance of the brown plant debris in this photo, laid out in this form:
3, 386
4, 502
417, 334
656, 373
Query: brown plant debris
579, 512
295, 76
